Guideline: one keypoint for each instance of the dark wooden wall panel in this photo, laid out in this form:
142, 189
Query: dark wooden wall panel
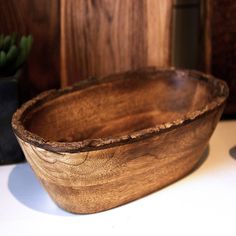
223, 47
97, 37
107, 36
41, 18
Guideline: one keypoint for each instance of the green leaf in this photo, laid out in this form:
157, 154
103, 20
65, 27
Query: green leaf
13, 38
12, 54
2, 59
6, 43
24, 50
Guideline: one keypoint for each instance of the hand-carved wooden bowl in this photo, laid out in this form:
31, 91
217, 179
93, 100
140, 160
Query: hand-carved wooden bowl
106, 142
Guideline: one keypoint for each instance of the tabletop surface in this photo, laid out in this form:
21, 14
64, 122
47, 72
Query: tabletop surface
203, 203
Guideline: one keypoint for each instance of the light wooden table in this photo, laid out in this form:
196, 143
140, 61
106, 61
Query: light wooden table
203, 203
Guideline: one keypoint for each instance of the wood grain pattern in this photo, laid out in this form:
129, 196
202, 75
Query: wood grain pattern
223, 47
159, 32
103, 37
88, 37
42, 20
91, 159
206, 17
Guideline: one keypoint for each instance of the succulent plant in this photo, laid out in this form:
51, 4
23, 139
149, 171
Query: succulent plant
13, 53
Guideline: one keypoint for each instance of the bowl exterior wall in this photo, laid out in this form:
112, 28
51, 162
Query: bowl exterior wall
93, 181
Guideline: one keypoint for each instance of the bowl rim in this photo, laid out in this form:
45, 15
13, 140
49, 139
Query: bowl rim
103, 143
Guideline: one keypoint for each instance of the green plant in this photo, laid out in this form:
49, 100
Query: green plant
13, 52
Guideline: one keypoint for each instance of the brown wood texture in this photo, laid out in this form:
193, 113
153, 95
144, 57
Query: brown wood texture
153, 131
223, 46
103, 37
41, 18
206, 54
88, 38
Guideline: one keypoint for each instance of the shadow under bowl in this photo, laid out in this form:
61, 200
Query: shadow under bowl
103, 143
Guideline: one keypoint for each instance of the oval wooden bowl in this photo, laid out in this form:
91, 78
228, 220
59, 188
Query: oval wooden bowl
106, 142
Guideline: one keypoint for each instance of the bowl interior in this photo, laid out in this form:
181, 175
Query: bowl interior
119, 106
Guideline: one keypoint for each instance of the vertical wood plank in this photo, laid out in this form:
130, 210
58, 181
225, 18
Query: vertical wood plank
11, 17
106, 36
206, 25
44, 69
159, 32
223, 47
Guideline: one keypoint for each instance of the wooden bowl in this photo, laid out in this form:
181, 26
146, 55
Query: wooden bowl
106, 142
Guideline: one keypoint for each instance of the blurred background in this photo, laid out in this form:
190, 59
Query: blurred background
76, 39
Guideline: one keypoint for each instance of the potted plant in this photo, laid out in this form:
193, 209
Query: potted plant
13, 53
